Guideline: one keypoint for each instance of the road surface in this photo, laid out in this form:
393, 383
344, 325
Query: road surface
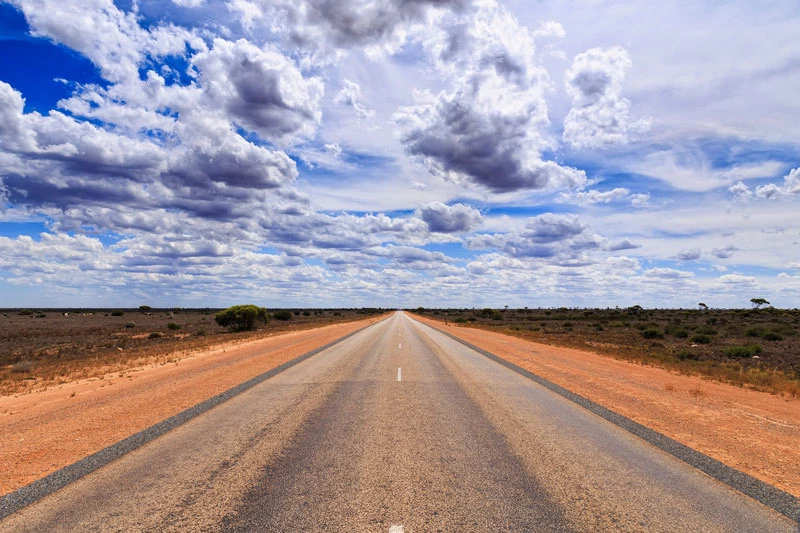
398, 428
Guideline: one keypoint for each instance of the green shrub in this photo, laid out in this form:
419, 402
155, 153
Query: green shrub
652, 333
130, 325
242, 317
743, 351
754, 331
117, 313
685, 354
706, 330
154, 335
25, 312
306, 313
461, 320
173, 326
702, 339
772, 336
283, 315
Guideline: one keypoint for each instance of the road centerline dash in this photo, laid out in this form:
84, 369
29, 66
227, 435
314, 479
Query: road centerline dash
399, 374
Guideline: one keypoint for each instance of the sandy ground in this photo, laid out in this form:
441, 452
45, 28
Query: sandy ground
755, 432
44, 431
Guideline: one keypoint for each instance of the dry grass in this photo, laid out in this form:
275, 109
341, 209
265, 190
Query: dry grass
667, 338
42, 349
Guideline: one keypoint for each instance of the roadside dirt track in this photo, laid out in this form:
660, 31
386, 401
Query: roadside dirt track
44, 431
755, 432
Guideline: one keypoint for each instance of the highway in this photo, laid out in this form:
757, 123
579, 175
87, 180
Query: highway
398, 428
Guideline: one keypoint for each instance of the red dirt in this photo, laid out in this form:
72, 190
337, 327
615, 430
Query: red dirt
755, 432
46, 430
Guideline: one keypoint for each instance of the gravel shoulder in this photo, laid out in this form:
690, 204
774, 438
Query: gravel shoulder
47, 430
754, 432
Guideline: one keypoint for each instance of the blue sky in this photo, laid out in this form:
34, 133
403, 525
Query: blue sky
464, 153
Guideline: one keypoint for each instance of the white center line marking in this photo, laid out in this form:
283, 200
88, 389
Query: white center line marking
397, 529
399, 374
399, 344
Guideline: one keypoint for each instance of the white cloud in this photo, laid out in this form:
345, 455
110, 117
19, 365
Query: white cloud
450, 219
488, 129
261, 89
599, 114
770, 191
692, 171
350, 95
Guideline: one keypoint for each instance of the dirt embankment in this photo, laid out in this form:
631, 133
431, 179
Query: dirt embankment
755, 432
44, 431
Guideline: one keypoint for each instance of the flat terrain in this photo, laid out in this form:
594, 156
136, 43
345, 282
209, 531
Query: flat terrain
754, 348
42, 348
397, 426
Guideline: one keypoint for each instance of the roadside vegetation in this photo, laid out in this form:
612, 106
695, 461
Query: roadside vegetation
758, 348
45, 347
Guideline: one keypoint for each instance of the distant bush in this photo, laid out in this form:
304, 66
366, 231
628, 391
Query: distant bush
702, 339
130, 325
283, 315
306, 313
743, 351
241, 317
706, 330
154, 335
685, 354
756, 331
25, 312
117, 313
144, 308
652, 333
173, 326
461, 320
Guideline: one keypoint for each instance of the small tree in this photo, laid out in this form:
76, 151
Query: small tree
282, 315
702, 306
241, 317
758, 302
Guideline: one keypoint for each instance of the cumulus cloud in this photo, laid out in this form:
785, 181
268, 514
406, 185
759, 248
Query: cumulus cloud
620, 244
111, 38
667, 273
350, 95
488, 129
592, 196
724, 253
341, 23
599, 114
450, 219
261, 89
565, 238
770, 191
691, 254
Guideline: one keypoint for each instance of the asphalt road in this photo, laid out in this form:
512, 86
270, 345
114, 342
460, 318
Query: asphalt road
398, 428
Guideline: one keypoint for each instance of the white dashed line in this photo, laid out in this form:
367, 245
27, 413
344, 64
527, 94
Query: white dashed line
399, 344
399, 376
397, 529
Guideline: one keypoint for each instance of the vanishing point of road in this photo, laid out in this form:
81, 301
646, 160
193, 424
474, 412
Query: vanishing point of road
398, 428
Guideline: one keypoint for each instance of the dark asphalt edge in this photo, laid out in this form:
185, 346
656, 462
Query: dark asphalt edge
772, 497
33, 492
